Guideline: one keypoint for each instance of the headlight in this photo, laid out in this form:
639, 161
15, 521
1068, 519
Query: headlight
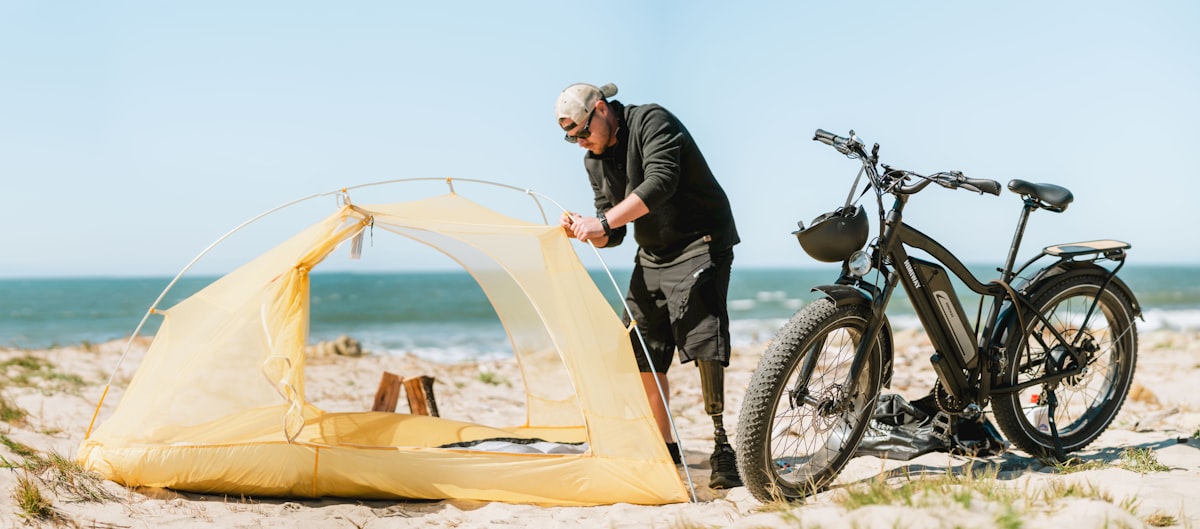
859, 263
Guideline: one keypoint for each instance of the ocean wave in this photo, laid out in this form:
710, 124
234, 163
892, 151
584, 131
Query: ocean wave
451, 343
459, 341
1170, 320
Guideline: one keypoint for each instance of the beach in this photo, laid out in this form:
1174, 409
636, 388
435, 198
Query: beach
56, 391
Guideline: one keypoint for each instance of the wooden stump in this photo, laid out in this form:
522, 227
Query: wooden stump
420, 396
388, 393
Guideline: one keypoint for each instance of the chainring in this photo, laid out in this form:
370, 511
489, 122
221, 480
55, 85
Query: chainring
947, 402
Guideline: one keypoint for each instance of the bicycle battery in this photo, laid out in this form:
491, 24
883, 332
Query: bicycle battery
934, 291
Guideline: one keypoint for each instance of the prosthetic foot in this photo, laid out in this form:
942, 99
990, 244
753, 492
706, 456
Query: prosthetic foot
723, 459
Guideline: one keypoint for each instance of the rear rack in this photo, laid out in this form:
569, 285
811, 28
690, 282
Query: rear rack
1111, 249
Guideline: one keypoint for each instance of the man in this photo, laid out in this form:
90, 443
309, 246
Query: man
646, 170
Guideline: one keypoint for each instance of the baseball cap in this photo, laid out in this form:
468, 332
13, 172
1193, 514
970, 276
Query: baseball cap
577, 101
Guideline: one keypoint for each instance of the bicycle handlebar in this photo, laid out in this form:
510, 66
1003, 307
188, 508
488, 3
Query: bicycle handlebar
948, 180
951, 180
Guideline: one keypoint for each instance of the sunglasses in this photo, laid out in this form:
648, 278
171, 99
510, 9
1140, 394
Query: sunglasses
583, 134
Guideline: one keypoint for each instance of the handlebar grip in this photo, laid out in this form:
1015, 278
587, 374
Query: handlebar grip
984, 185
826, 137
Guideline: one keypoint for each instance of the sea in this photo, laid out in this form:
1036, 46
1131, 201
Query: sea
444, 316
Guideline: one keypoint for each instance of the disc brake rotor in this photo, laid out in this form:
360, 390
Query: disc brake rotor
829, 406
1087, 348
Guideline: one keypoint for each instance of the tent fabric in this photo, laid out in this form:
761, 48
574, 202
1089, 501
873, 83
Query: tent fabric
218, 403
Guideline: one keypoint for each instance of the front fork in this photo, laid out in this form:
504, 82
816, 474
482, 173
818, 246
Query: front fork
878, 303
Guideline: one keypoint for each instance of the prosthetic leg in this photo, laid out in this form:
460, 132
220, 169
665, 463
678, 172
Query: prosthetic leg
723, 460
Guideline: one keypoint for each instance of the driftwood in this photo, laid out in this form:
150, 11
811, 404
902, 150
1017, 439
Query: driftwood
342, 346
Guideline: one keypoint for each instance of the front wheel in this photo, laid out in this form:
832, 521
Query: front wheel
1106, 339
802, 417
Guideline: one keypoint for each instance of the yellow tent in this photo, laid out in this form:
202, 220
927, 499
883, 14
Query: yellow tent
218, 403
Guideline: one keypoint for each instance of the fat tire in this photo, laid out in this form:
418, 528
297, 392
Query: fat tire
760, 467
1110, 369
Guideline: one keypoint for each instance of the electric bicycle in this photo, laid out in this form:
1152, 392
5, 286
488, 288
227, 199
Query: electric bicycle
1053, 357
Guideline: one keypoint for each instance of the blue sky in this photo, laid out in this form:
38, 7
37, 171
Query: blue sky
134, 134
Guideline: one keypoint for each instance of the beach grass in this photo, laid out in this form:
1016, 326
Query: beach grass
1074, 464
63, 478
17, 448
980, 490
11, 413
27, 495
919, 491
32, 371
30, 500
1159, 519
1142, 461
493, 378
66, 478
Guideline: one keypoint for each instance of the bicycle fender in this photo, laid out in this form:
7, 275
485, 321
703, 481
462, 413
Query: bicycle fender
843, 294
1008, 317
1074, 268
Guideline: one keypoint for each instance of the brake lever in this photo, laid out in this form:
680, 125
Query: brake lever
896, 178
948, 179
960, 181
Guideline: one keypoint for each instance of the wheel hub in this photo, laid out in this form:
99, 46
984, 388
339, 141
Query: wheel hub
1087, 348
829, 407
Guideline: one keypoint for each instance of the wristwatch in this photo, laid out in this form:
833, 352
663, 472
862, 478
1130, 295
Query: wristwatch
604, 224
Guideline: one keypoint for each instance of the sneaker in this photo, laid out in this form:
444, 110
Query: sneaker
724, 468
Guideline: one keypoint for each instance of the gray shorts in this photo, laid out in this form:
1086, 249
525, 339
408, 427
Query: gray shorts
681, 305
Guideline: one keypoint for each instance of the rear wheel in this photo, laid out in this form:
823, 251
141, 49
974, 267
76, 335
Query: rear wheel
1088, 402
802, 417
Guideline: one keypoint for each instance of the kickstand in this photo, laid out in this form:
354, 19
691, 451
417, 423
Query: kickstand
1052, 404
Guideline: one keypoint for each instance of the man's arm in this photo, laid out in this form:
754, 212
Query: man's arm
662, 140
590, 228
661, 143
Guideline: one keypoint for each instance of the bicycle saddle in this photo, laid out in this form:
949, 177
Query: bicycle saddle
1056, 197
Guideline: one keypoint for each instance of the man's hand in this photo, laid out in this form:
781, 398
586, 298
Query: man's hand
588, 229
566, 220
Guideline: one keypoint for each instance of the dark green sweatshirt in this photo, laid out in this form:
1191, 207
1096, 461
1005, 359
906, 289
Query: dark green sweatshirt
656, 159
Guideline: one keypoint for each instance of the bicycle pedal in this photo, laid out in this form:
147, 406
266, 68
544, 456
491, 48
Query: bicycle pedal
941, 427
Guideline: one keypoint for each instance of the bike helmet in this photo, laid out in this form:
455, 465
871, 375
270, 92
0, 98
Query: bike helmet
834, 236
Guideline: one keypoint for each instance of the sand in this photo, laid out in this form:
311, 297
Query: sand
1161, 418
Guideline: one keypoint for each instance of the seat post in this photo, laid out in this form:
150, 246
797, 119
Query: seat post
1011, 261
